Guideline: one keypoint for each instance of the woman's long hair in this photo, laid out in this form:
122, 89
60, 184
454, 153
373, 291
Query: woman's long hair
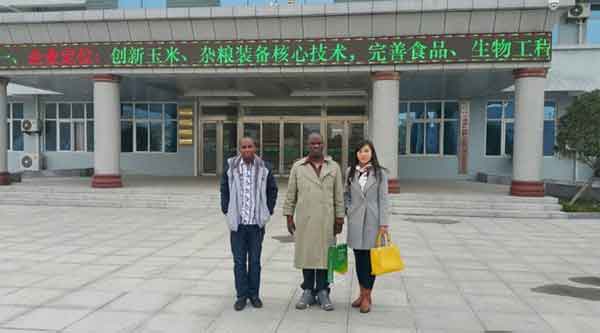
376, 167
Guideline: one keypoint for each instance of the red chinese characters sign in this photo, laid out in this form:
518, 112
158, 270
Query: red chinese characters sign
63, 56
430, 49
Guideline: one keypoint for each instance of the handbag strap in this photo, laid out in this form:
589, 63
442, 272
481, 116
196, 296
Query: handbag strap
380, 236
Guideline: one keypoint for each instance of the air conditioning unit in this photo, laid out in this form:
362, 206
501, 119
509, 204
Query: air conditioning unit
30, 162
580, 11
30, 126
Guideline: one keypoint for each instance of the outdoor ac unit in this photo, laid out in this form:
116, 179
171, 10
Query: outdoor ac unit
580, 11
30, 162
30, 126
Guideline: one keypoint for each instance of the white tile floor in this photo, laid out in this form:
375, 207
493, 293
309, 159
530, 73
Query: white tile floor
78, 270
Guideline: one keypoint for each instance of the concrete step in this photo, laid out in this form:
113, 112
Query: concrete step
474, 205
481, 213
418, 204
470, 198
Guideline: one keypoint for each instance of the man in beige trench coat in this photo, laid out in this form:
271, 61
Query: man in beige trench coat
315, 195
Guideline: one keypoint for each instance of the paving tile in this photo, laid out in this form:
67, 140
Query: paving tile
513, 322
558, 305
31, 296
380, 317
199, 305
107, 322
447, 319
486, 303
116, 284
224, 325
48, 319
438, 300
9, 312
172, 323
140, 302
569, 323
8, 330
20, 279
379, 329
484, 288
4, 290
64, 282
177, 277
472, 275
164, 286
310, 327
85, 299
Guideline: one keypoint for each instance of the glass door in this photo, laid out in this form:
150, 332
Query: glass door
335, 142
209, 147
355, 136
230, 141
292, 145
270, 144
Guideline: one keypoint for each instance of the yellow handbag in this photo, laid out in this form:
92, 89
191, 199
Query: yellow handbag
385, 259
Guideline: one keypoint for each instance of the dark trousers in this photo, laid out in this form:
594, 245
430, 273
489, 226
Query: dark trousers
246, 245
363, 268
315, 280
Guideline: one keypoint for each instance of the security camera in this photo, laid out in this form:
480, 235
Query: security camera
553, 4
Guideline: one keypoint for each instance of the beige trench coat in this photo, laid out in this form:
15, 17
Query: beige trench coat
315, 202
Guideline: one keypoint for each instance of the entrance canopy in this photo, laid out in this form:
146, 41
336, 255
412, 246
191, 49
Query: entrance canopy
413, 85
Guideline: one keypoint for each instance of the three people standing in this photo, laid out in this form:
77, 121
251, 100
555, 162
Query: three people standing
315, 206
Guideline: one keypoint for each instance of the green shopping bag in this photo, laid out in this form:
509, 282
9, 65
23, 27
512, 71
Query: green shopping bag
337, 260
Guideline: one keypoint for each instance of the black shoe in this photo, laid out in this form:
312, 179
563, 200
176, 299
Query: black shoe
240, 304
256, 302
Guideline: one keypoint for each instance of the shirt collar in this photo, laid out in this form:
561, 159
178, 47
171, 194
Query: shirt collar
326, 159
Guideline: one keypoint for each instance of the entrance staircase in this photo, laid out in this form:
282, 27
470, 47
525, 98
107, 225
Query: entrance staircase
189, 193
475, 205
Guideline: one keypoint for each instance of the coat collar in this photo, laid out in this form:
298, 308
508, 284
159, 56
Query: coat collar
236, 160
371, 180
326, 169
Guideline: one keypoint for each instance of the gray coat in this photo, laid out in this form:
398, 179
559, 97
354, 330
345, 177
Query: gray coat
364, 213
233, 184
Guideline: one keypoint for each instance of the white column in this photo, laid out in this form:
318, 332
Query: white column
529, 132
107, 132
384, 122
4, 176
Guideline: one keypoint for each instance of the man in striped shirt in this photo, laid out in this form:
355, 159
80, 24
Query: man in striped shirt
248, 197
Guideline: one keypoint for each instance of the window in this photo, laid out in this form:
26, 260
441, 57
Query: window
593, 26
128, 4
428, 128
148, 127
69, 127
549, 128
555, 32
14, 134
500, 128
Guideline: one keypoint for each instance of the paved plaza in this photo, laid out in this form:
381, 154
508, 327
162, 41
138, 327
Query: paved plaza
78, 270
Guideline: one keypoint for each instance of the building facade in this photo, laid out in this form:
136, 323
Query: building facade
445, 89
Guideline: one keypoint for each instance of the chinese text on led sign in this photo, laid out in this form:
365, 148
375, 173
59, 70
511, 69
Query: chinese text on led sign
283, 52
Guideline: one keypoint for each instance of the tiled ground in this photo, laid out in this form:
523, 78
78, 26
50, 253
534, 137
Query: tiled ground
125, 270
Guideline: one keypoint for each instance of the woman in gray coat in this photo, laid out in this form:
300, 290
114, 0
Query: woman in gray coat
366, 199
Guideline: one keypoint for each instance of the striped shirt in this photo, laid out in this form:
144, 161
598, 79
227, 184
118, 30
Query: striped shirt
248, 200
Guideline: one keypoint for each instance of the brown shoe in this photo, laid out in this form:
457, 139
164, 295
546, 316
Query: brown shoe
365, 305
356, 303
